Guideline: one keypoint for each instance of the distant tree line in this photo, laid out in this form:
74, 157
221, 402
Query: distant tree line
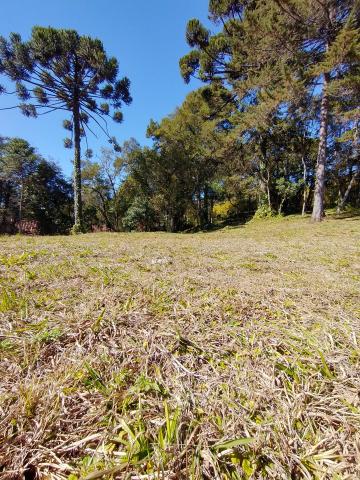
274, 130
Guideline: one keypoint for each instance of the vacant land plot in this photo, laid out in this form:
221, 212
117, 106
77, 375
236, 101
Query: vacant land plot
226, 355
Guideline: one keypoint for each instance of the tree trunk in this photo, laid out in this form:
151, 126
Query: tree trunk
306, 189
264, 180
6, 222
198, 207
20, 206
281, 205
342, 201
103, 209
268, 190
206, 206
78, 223
211, 209
319, 193
172, 224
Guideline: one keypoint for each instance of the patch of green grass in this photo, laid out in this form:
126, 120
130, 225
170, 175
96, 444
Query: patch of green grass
8, 300
49, 335
252, 266
15, 259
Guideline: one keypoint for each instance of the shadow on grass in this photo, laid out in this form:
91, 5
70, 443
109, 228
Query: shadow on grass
228, 224
353, 214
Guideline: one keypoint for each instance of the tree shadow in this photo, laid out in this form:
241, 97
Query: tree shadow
350, 214
229, 224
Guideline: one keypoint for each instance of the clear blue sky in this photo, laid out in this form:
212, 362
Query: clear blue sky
146, 36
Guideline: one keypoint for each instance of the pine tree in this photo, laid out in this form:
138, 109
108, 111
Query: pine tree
274, 53
61, 70
329, 41
18, 164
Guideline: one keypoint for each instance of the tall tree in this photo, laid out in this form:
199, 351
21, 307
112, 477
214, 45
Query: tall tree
102, 179
49, 198
272, 53
187, 145
60, 70
329, 42
18, 164
32, 188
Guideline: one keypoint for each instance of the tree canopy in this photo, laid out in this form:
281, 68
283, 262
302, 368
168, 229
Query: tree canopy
277, 56
59, 69
32, 188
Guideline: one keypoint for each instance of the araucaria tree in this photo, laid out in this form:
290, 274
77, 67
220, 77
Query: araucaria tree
61, 70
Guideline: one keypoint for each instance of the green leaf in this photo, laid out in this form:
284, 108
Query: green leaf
247, 467
237, 442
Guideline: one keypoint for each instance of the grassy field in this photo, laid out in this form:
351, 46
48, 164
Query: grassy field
226, 355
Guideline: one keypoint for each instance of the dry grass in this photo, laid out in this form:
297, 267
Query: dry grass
227, 355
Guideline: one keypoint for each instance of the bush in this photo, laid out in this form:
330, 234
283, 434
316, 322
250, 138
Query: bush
223, 210
264, 211
139, 216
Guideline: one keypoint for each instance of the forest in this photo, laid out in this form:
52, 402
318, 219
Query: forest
273, 131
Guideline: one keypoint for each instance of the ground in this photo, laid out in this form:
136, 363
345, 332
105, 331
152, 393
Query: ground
225, 355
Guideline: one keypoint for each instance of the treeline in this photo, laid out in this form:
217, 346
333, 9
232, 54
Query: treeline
198, 172
195, 175
274, 130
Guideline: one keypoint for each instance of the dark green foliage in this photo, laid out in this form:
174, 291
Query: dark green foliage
175, 174
57, 69
50, 199
32, 188
140, 215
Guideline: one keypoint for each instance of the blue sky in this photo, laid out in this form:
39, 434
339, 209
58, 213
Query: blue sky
146, 36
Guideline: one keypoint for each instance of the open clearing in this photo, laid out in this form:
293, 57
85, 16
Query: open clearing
231, 354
